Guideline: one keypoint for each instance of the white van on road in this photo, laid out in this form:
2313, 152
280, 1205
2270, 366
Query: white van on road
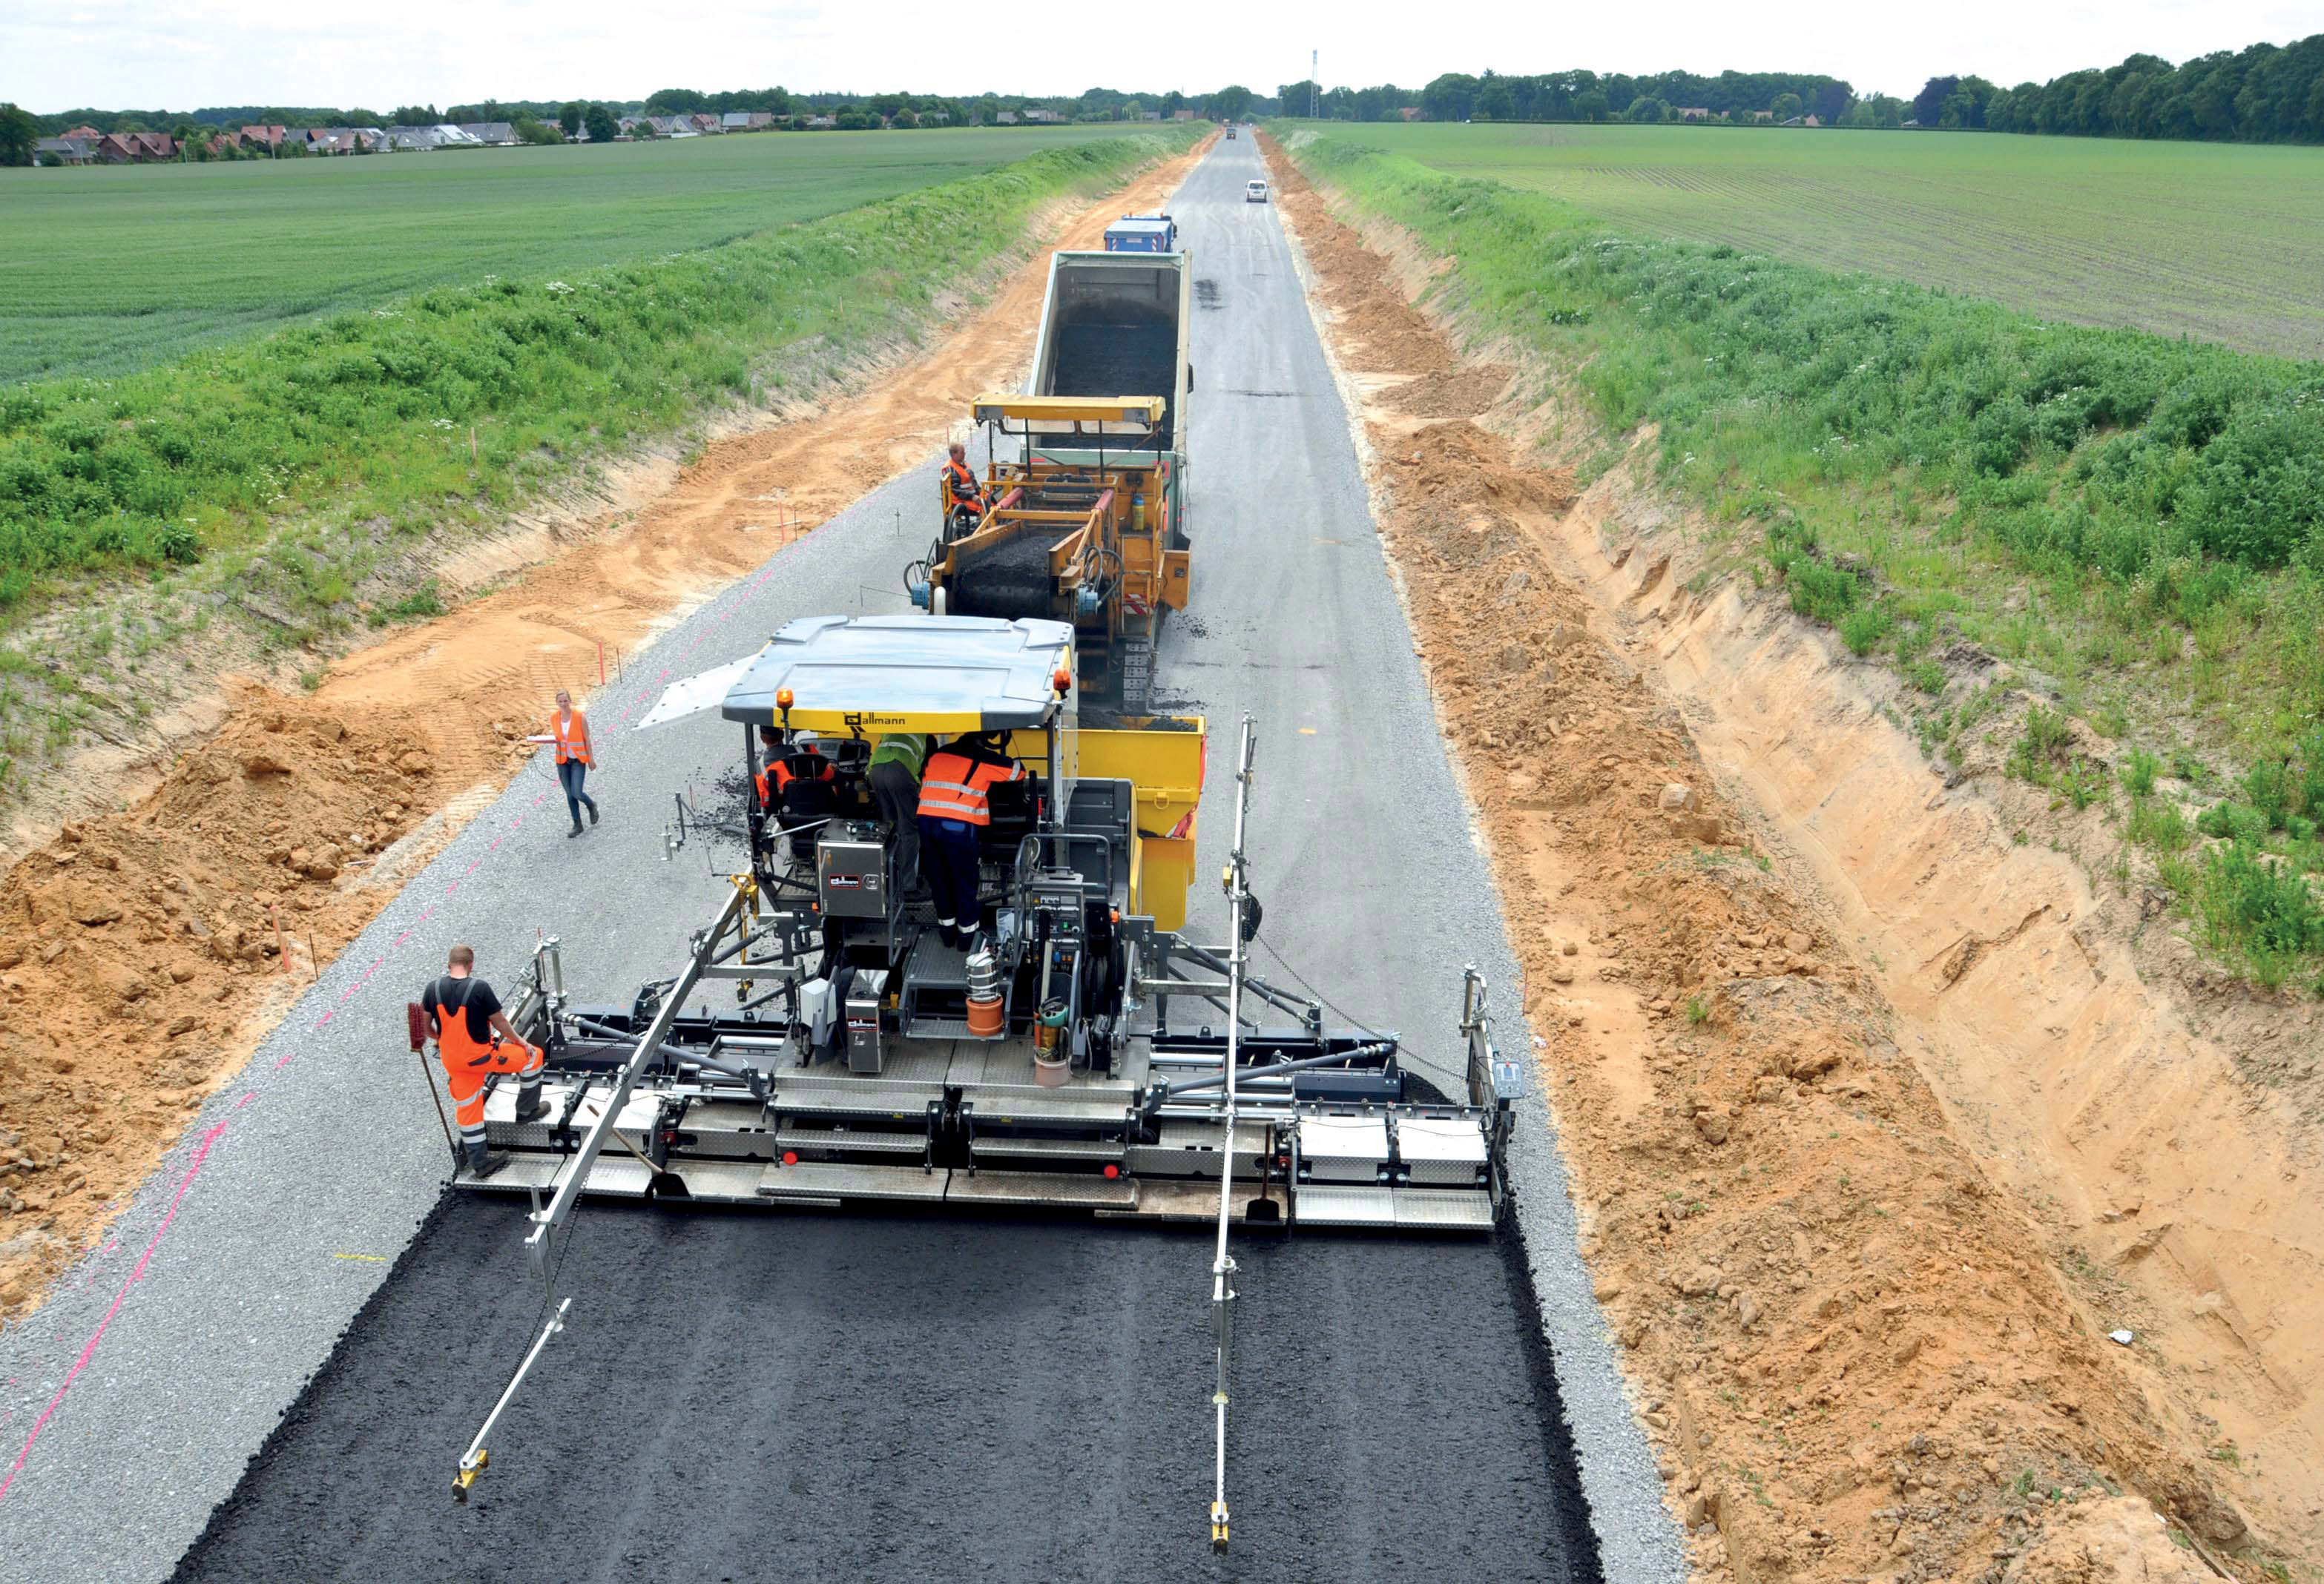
1254, 192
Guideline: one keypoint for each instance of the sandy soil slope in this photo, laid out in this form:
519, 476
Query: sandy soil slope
143, 954
1862, 1348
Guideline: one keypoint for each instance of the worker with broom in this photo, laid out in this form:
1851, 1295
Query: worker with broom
474, 1041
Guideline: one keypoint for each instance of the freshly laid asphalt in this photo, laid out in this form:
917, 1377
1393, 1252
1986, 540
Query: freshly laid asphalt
739, 1396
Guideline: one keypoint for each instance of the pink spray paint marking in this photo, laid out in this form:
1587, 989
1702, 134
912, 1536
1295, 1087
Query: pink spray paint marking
201, 1153
89, 1351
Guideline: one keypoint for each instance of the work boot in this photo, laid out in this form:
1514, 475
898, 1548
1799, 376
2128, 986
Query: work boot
483, 1160
593, 812
576, 830
529, 1103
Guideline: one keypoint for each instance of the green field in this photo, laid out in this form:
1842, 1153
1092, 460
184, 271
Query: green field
2221, 241
2133, 521
106, 271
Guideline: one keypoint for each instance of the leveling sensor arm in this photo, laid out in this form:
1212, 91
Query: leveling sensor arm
576, 1173
1223, 1265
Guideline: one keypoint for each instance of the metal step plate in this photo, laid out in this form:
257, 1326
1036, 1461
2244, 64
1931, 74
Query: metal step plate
837, 1181
1190, 1201
1066, 1189
617, 1174
1334, 1204
856, 1140
1344, 1150
1001, 1147
862, 1098
720, 1182
1191, 1149
1444, 1209
1411, 1210
1441, 1150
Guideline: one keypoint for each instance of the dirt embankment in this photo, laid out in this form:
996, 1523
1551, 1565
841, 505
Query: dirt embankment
142, 954
1861, 1348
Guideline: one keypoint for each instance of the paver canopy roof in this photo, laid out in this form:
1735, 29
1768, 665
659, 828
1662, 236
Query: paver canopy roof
868, 674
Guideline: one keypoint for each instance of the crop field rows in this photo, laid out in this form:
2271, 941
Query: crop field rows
106, 271
2206, 240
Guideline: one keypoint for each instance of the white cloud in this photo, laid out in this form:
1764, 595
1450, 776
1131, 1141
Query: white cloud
199, 53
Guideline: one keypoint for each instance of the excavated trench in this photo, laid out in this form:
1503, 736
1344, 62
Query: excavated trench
1941, 1237
882, 1397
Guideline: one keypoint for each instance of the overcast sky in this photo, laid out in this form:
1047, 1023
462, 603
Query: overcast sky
61, 54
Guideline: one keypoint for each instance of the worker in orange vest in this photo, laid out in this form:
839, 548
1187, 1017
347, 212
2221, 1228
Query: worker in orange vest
568, 728
474, 1041
801, 788
955, 806
963, 494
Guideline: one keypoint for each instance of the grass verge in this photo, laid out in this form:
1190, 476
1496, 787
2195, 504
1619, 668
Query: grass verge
2140, 519
278, 475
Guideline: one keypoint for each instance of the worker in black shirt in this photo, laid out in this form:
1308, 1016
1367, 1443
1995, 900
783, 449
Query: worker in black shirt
474, 1041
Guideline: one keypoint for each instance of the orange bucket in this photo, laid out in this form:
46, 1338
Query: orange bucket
985, 1018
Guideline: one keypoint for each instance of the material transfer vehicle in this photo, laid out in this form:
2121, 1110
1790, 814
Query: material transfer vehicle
1083, 514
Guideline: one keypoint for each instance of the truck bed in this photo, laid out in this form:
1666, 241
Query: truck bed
1118, 349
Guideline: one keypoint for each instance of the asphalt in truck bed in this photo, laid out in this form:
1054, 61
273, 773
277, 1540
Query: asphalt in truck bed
815, 1395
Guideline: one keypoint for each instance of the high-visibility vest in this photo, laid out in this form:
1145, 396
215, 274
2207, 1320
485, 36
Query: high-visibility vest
954, 785
962, 481
908, 749
572, 737
801, 764
468, 1062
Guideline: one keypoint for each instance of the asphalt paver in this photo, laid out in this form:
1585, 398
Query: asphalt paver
743, 1395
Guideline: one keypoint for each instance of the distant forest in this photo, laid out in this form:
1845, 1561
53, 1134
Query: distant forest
2263, 94
1093, 106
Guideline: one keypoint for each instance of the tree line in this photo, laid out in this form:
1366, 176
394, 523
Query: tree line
2263, 94
535, 117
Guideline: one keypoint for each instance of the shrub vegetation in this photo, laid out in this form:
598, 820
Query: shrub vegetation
472, 394
2142, 518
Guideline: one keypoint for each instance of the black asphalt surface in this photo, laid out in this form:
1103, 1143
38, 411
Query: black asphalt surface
802, 1395
820, 1397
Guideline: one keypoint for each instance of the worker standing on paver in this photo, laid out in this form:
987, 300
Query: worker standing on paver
895, 776
956, 806
474, 1041
963, 493
568, 728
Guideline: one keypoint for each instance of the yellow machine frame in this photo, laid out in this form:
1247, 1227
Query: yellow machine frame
1117, 551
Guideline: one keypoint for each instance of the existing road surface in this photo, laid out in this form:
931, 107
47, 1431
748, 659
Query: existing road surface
743, 1395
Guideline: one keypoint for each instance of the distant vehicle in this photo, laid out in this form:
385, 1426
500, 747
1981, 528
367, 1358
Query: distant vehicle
1229, 135
1254, 192
1142, 233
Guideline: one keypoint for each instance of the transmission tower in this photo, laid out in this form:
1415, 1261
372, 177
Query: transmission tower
1314, 87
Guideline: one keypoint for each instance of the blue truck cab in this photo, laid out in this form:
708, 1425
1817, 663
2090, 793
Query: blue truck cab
1142, 233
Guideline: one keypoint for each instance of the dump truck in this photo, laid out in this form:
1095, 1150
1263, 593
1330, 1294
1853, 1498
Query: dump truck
1082, 517
1142, 233
1082, 1054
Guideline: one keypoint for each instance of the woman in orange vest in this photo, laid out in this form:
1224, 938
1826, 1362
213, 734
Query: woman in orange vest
568, 728
955, 806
